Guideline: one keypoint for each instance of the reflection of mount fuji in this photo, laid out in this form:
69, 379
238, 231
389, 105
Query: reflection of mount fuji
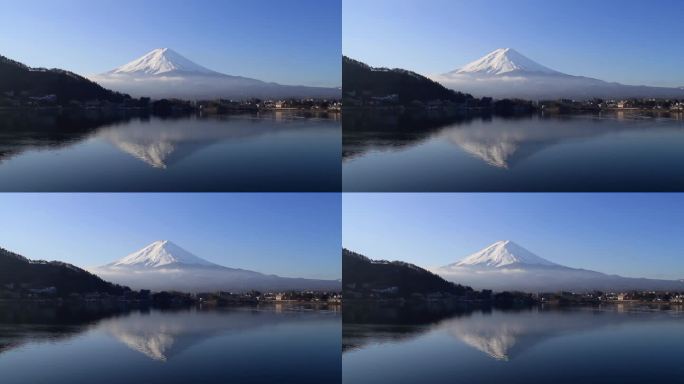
505, 335
504, 145
162, 143
497, 141
157, 334
501, 335
161, 337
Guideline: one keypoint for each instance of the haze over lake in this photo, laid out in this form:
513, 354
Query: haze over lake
98, 152
618, 344
609, 152
279, 343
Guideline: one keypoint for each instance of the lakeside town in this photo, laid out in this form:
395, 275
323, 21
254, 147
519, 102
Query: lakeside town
392, 102
11, 100
486, 296
24, 293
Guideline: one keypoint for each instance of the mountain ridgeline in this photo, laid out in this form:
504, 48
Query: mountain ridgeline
20, 273
165, 266
360, 80
364, 277
507, 73
164, 73
506, 265
21, 80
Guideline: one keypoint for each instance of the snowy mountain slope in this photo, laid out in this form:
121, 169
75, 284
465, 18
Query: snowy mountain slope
164, 265
162, 61
506, 73
162, 253
165, 73
503, 253
505, 265
504, 61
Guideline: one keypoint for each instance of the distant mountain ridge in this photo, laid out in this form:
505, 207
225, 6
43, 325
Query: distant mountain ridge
17, 78
165, 266
505, 266
165, 73
506, 73
20, 272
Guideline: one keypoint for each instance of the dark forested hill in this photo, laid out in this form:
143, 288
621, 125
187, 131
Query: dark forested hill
18, 272
20, 79
361, 80
362, 275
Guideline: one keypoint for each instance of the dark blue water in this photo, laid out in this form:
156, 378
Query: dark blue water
534, 153
240, 345
272, 152
583, 345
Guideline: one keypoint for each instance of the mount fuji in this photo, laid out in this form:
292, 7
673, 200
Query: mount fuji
506, 265
164, 265
165, 73
506, 73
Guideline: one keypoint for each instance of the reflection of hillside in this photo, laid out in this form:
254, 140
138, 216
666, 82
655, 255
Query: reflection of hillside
31, 130
367, 131
374, 323
38, 322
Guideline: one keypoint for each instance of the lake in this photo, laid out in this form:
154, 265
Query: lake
618, 344
607, 152
97, 151
273, 344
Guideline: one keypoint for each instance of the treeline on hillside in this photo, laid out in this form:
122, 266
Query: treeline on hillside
393, 278
361, 80
20, 273
17, 80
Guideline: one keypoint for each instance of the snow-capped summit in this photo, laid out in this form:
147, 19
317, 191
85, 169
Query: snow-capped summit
161, 61
504, 61
506, 266
164, 266
503, 254
165, 73
161, 254
506, 73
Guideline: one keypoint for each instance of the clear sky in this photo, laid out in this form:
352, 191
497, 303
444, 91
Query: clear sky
290, 42
629, 41
634, 235
294, 235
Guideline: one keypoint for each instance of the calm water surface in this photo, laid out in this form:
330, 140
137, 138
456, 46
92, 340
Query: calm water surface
239, 345
582, 345
93, 152
615, 152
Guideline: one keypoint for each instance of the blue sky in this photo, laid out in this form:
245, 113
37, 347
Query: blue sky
636, 235
629, 41
291, 42
295, 235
